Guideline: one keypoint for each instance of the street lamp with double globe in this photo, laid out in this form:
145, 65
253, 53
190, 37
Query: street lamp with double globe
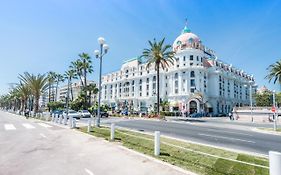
99, 54
251, 85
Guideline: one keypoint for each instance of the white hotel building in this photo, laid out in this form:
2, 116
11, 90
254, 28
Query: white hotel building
197, 82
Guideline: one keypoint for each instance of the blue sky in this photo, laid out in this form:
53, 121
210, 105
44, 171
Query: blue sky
39, 36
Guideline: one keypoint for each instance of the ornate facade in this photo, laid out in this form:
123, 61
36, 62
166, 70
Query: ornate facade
197, 82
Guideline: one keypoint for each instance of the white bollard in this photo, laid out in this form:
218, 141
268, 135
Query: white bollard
157, 143
73, 122
70, 121
53, 117
112, 131
60, 117
56, 118
274, 163
89, 125
65, 120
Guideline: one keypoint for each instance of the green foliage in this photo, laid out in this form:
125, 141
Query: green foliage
104, 107
37, 84
165, 105
168, 113
55, 105
80, 102
263, 99
266, 99
274, 72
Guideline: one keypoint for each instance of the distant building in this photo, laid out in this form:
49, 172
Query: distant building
263, 90
75, 89
197, 82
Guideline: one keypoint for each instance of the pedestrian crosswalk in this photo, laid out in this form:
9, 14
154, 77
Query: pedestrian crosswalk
9, 127
28, 126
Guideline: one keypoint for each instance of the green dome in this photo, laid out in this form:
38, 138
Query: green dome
185, 30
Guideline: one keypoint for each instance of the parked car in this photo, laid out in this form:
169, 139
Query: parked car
125, 112
222, 115
73, 114
102, 113
196, 115
84, 113
59, 112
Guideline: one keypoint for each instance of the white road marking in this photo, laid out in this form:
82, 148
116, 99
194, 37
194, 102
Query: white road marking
229, 138
9, 127
28, 126
44, 125
43, 135
232, 132
89, 172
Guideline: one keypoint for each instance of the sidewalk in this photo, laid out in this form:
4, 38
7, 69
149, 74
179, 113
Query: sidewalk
66, 151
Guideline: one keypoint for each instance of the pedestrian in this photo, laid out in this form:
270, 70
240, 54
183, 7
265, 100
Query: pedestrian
230, 116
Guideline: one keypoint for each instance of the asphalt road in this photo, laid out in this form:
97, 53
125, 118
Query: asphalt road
228, 136
32, 147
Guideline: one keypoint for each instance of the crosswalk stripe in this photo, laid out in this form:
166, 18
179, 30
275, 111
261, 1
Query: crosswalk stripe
9, 127
28, 126
44, 125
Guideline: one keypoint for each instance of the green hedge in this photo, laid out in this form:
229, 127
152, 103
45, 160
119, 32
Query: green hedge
168, 113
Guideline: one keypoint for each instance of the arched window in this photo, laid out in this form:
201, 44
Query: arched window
176, 75
192, 74
154, 78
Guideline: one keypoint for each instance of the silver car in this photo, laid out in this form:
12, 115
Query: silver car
84, 113
73, 114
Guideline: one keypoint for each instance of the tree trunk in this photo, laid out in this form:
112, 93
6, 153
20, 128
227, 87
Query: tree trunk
158, 89
49, 91
71, 90
90, 98
57, 89
36, 105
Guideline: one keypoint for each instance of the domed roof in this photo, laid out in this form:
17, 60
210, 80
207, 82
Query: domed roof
186, 39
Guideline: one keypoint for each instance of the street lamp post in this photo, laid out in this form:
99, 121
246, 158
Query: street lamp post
99, 54
251, 98
251, 102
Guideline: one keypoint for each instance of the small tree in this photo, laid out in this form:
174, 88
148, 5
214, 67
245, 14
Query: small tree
55, 105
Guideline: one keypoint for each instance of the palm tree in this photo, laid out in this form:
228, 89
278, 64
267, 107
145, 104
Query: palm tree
51, 80
14, 98
165, 105
76, 66
160, 56
59, 78
92, 89
24, 92
86, 66
274, 72
70, 75
37, 84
